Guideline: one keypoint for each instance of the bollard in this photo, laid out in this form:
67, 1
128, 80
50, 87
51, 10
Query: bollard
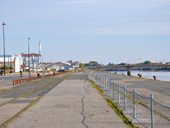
38, 75
154, 77
21, 74
140, 75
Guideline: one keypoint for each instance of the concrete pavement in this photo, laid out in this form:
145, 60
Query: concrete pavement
160, 91
74, 103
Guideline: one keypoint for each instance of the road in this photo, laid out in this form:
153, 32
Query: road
16, 76
6, 81
64, 101
24, 95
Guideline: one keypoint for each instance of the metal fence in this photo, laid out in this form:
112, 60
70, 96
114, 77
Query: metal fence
21, 81
147, 111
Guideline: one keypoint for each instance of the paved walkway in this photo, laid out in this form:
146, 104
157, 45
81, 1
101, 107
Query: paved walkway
74, 103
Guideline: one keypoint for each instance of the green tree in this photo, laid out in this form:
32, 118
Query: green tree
110, 64
147, 62
81, 65
92, 63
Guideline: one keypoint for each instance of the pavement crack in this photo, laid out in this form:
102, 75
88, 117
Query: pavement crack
85, 87
82, 112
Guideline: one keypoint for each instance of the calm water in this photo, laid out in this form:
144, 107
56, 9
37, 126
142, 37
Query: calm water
165, 76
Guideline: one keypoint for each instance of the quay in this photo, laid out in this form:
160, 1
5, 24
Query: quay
73, 103
69, 100
141, 100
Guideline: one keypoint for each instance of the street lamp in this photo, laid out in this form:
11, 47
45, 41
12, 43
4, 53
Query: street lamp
28, 58
4, 45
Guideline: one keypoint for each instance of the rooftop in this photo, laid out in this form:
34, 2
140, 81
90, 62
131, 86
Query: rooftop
31, 54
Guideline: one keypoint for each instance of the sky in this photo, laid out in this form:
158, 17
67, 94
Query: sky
114, 31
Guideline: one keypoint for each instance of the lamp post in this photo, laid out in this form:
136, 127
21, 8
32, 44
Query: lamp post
4, 46
29, 58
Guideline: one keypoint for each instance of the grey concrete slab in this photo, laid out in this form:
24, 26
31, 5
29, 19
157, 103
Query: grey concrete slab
72, 104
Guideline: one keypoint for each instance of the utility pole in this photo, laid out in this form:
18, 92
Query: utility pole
8, 63
29, 58
4, 45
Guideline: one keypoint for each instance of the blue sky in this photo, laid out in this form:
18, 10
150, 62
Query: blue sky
103, 30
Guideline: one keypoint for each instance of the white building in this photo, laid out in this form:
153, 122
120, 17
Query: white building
62, 65
58, 65
15, 62
34, 60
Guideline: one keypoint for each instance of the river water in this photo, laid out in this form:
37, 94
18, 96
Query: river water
164, 76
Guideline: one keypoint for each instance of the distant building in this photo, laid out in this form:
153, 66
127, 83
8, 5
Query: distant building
168, 63
162, 62
34, 60
14, 62
75, 64
58, 65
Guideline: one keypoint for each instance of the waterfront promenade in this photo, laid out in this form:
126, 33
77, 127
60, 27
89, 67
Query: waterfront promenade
70, 100
160, 89
142, 94
74, 103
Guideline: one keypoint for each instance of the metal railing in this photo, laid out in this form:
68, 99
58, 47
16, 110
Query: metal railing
21, 81
147, 111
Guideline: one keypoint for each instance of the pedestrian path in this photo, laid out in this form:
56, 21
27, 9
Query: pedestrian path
74, 103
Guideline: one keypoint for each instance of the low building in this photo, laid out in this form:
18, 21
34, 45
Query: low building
12, 62
58, 65
75, 65
34, 60
61, 65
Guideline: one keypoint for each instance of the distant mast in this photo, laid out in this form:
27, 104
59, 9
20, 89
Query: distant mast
40, 52
40, 47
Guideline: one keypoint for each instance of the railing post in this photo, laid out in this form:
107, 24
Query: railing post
125, 97
104, 83
109, 88
152, 120
108, 85
134, 105
113, 90
118, 93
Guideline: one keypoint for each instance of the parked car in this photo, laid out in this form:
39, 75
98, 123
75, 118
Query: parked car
2, 72
11, 71
61, 70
